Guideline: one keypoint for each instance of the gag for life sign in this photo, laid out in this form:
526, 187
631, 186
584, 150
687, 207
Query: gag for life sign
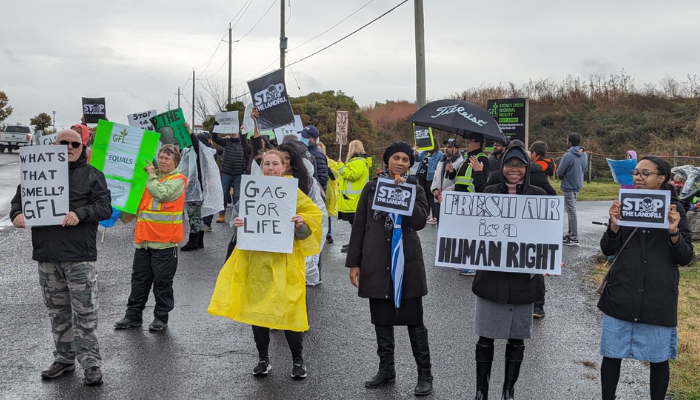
94, 109
393, 198
267, 206
644, 208
499, 232
172, 129
270, 98
142, 120
44, 184
121, 152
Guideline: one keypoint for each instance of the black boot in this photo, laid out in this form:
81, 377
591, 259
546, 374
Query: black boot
421, 352
200, 242
514, 357
191, 243
484, 359
385, 351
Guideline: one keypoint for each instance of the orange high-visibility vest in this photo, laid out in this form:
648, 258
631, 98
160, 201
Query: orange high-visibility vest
160, 222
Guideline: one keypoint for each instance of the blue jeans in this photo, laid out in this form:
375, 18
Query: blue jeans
226, 182
570, 207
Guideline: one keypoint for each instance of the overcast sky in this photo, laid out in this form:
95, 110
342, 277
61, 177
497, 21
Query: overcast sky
137, 53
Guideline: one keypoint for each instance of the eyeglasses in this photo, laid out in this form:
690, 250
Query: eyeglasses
511, 166
74, 145
645, 173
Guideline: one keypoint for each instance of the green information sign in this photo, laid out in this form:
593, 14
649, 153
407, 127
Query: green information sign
512, 116
122, 152
172, 129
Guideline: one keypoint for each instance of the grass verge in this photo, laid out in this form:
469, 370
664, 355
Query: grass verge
685, 374
593, 190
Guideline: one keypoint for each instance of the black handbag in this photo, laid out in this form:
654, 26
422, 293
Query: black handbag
604, 283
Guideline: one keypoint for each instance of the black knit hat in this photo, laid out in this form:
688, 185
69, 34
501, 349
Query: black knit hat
399, 147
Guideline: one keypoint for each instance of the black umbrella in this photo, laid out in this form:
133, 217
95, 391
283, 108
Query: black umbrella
458, 116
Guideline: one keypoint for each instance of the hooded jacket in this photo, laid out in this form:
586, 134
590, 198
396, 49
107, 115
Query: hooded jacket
571, 168
237, 151
90, 199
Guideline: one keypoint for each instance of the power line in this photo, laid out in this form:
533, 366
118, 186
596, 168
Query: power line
241, 12
256, 24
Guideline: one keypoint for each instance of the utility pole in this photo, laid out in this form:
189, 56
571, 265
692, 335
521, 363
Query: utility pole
229, 63
193, 100
420, 54
168, 105
53, 124
178, 97
283, 40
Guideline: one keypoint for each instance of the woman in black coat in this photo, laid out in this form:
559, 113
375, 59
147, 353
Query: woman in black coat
640, 300
370, 258
505, 300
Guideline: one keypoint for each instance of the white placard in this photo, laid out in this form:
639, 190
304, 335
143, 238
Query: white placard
142, 119
644, 208
267, 206
47, 140
500, 232
228, 122
289, 129
120, 191
248, 122
119, 163
393, 198
44, 180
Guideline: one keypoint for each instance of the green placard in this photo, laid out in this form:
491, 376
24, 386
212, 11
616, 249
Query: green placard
270, 134
172, 129
122, 152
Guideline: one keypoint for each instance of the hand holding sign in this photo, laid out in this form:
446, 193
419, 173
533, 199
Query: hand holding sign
150, 168
298, 220
614, 214
71, 219
18, 222
674, 217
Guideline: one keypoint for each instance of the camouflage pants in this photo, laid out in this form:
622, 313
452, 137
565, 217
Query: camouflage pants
70, 294
194, 213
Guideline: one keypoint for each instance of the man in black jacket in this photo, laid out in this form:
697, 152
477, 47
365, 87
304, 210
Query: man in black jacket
237, 151
66, 255
309, 136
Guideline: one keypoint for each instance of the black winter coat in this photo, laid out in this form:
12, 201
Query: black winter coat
510, 287
321, 165
237, 151
370, 248
643, 283
90, 199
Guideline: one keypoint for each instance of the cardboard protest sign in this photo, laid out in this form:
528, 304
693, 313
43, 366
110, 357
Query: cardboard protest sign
44, 181
94, 109
644, 208
289, 129
172, 129
248, 122
47, 140
501, 232
423, 137
228, 122
142, 119
393, 198
269, 95
121, 152
341, 127
621, 170
267, 206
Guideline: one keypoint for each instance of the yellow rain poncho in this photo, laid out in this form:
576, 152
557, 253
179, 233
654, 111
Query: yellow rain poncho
269, 289
332, 188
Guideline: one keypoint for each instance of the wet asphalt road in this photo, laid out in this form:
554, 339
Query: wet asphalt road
200, 356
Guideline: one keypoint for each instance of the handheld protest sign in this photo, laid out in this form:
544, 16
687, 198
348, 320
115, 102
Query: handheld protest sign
423, 137
270, 97
122, 152
47, 140
172, 129
644, 208
44, 184
228, 122
621, 171
248, 122
289, 129
142, 119
393, 198
267, 205
341, 127
94, 109
500, 232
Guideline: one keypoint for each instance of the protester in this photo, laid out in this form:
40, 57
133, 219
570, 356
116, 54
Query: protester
354, 175
640, 300
66, 255
309, 136
259, 143
385, 248
426, 173
205, 138
630, 155
505, 300
541, 167
495, 159
156, 236
571, 168
235, 163
266, 289
195, 240
451, 161
331, 191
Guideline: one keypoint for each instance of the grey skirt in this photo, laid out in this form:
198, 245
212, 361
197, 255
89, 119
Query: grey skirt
503, 321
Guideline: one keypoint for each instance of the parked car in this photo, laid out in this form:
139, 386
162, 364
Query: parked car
15, 136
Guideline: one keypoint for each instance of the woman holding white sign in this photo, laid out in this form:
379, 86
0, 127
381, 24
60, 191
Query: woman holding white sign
505, 300
268, 290
640, 299
385, 258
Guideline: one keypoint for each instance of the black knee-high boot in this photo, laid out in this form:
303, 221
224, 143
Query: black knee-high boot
484, 359
514, 358
385, 351
191, 243
421, 352
200, 242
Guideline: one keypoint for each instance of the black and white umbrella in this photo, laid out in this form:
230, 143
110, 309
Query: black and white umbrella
458, 116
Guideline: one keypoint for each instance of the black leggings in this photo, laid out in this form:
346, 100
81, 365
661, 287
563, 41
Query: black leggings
262, 340
659, 377
489, 342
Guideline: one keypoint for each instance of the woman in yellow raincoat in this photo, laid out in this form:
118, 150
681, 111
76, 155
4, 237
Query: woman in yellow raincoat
268, 290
